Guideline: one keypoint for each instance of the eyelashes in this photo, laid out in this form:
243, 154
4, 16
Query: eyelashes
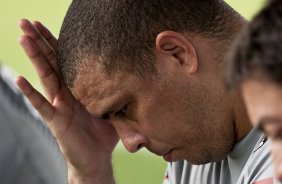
122, 112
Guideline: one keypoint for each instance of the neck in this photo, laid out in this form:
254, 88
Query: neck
241, 121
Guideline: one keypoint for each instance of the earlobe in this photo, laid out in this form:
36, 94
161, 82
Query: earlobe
175, 45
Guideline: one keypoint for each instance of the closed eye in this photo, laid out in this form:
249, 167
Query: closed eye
122, 112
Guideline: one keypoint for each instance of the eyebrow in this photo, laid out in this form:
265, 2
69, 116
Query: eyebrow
106, 113
116, 102
265, 120
109, 109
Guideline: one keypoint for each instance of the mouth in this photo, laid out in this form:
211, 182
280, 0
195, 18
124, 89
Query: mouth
168, 156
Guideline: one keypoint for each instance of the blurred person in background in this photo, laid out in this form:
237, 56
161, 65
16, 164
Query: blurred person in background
28, 152
255, 66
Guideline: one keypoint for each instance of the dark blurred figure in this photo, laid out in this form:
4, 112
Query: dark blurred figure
28, 152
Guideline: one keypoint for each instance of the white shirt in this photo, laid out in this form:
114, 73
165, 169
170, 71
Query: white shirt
249, 162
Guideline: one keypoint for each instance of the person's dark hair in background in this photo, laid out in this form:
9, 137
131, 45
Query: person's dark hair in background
255, 65
257, 52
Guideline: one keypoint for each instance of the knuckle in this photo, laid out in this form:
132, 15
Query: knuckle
51, 55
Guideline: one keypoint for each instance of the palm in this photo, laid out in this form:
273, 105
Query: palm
72, 124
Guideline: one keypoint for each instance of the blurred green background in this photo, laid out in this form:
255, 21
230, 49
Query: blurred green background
138, 168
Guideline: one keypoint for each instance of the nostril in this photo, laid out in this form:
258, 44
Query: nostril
140, 146
133, 141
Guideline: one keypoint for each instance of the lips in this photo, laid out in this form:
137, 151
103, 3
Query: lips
168, 156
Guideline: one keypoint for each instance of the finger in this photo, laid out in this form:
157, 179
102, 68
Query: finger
47, 50
46, 73
51, 39
37, 100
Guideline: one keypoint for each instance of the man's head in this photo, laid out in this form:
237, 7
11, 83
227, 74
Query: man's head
152, 68
121, 34
255, 65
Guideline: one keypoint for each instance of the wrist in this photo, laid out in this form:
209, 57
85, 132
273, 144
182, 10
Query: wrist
103, 174
74, 179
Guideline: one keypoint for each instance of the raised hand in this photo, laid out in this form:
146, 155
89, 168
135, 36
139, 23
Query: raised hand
86, 142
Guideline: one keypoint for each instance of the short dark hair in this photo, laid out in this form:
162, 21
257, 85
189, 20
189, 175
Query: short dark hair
120, 34
257, 51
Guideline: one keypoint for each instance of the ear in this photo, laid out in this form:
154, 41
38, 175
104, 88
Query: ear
177, 47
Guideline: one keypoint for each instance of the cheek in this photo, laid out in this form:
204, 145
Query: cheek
160, 116
156, 122
252, 108
251, 114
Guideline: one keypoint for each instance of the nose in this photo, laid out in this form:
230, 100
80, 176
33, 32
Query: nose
279, 173
278, 168
132, 140
276, 150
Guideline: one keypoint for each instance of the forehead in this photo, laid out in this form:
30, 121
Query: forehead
262, 99
94, 88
